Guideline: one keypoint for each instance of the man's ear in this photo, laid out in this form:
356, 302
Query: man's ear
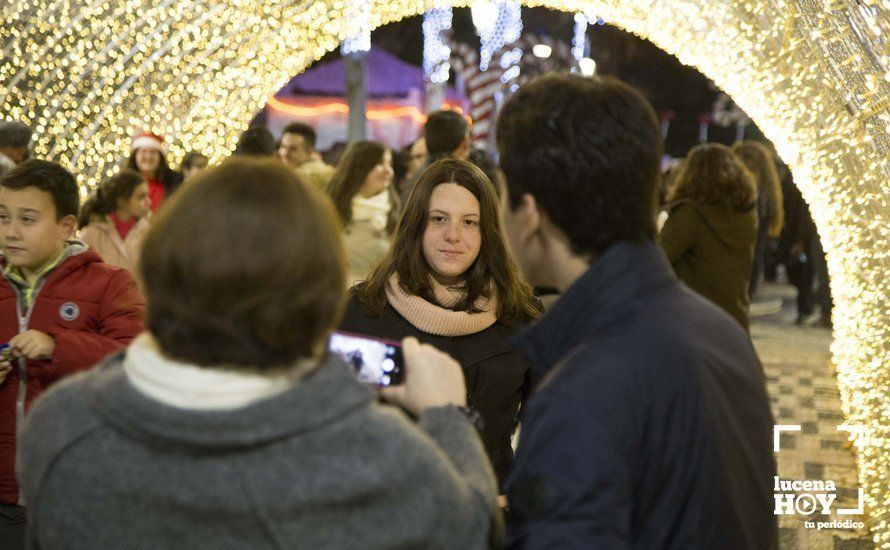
463, 150
67, 226
530, 216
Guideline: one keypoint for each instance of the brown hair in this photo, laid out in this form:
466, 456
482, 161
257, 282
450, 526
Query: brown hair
759, 161
220, 291
516, 302
106, 196
356, 163
711, 174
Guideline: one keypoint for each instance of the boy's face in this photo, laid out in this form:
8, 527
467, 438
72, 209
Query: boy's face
30, 234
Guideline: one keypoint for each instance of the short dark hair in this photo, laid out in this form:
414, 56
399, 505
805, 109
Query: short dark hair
14, 134
256, 141
308, 132
111, 190
221, 292
47, 176
444, 131
588, 150
189, 159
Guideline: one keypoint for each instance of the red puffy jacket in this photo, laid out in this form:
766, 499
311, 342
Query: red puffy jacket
90, 308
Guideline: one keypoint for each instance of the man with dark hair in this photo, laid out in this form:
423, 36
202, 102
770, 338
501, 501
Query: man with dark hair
256, 141
297, 150
651, 427
15, 139
62, 309
447, 134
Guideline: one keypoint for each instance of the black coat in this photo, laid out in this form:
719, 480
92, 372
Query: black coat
498, 377
651, 427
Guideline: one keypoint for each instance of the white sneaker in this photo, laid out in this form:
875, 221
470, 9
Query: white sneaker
765, 307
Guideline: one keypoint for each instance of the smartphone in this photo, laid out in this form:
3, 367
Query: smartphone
376, 361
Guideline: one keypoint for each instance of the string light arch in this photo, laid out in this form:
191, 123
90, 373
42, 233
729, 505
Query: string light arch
813, 74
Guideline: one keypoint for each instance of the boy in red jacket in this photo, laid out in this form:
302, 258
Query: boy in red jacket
62, 309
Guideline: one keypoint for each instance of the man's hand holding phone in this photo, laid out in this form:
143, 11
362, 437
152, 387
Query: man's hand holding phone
432, 379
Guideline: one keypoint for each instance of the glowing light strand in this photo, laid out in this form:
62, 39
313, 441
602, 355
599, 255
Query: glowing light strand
436, 53
812, 74
359, 19
506, 28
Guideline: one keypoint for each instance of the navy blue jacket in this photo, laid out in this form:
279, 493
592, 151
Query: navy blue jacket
651, 427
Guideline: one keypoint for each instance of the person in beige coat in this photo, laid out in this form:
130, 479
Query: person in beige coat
115, 219
362, 193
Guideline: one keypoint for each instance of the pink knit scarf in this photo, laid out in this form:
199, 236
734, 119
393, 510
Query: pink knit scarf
433, 319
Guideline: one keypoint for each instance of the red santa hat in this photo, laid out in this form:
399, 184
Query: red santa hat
148, 140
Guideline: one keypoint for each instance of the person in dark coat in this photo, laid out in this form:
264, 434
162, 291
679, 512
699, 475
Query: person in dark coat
449, 281
651, 426
800, 249
710, 234
770, 214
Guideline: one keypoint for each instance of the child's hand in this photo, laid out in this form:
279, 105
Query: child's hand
33, 344
5, 369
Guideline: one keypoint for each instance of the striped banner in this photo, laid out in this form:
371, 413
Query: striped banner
488, 89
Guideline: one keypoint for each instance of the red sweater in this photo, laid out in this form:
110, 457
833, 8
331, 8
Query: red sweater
91, 309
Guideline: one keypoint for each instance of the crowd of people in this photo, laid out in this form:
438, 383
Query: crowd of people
188, 313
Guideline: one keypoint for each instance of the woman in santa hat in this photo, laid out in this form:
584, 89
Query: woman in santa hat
148, 157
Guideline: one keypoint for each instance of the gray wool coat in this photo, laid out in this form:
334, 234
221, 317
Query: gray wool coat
322, 465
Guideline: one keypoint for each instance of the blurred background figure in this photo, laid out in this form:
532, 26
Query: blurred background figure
446, 133
256, 141
800, 251
148, 156
770, 213
711, 229
15, 144
113, 222
417, 155
400, 162
297, 150
362, 194
193, 163
331, 157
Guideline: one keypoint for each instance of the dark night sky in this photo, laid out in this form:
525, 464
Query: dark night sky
669, 85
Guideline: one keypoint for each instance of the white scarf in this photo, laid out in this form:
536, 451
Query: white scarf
188, 386
373, 210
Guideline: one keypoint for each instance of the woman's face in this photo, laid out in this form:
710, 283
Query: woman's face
379, 178
148, 160
139, 203
452, 238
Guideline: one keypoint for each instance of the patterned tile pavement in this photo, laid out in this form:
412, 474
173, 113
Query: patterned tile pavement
803, 390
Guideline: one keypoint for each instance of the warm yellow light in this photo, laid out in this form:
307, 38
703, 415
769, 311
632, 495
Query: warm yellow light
812, 75
340, 107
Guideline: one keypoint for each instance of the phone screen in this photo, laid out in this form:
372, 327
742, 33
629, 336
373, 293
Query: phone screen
375, 361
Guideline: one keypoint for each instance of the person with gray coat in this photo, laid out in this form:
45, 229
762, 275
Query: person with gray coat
227, 425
